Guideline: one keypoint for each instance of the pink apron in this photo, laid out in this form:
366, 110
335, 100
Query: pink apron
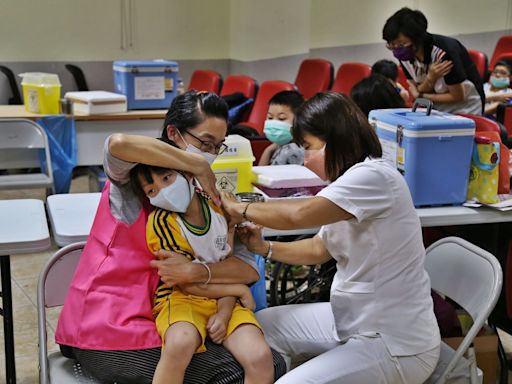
109, 303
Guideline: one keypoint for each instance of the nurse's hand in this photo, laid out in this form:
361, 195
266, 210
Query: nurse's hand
250, 235
232, 208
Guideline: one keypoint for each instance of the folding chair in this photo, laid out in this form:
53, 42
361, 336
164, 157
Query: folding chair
18, 139
52, 287
472, 278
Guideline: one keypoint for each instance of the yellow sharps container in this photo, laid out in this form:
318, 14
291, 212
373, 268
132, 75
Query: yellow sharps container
41, 92
233, 168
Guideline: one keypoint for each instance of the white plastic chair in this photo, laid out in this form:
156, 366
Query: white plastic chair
52, 287
24, 136
472, 278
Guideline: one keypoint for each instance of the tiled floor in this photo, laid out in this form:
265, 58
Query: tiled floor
25, 271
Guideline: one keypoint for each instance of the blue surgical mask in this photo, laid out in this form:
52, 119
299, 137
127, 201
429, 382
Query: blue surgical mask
499, 82
278, 132
175, 197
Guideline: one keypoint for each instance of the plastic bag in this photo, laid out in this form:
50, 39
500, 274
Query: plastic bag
62, 139
483, 177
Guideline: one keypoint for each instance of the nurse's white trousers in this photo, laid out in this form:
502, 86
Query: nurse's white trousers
307, 332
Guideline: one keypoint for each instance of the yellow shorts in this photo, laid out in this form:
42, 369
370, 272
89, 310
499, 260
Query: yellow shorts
196, 310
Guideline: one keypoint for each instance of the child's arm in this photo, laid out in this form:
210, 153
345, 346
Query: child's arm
267, 154
217, 291
217, 325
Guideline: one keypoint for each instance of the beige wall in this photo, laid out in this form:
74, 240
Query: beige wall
90, 30
351, 22
265, 29
243, 30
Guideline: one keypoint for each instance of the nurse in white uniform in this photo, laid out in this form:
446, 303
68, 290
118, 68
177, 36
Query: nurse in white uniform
379, 326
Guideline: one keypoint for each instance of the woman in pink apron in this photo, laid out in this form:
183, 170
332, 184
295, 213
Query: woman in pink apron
107, 323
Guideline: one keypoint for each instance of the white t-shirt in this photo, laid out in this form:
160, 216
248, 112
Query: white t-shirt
381, 286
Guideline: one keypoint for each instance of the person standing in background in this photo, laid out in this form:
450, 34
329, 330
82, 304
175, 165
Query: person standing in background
437, 67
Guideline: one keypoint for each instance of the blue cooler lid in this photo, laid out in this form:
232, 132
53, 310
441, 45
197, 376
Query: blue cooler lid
420, 120
152, 65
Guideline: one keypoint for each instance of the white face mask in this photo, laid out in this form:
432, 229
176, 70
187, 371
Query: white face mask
175, 197
209, 157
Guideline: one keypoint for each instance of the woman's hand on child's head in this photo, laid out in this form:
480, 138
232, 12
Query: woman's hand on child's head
231, 208
217, 326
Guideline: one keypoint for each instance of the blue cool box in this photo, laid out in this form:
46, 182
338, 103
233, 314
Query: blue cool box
433, 152
149, 84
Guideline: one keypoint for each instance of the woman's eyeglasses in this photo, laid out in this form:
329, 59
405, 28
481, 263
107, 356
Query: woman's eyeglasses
208, 146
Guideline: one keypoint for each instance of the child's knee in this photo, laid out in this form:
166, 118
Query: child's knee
183, 341
260, 360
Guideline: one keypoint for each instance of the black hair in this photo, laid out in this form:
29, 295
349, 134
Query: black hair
291, 99
411, 23
376, 92
386, 68
145, 171
192, 108
505, 64
335, 119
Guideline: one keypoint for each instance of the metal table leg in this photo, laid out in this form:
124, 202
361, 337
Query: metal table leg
6, 311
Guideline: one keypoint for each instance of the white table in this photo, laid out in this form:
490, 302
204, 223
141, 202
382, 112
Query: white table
23, 229
71, 216
91, 132
65, 209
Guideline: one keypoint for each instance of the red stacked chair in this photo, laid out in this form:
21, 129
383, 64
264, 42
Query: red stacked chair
314, 75
205, 80
260, 108
504, 45
239, 83
348, 75
480, 60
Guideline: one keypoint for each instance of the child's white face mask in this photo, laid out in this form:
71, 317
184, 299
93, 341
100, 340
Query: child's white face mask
175, 197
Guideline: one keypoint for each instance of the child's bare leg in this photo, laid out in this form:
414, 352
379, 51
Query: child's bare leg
181, 341
250, 349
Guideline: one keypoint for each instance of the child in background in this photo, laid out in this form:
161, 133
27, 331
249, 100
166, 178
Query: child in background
389, 70
497, 90
187, 222
281, 111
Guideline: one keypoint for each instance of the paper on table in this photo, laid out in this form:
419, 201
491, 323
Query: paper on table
505, 203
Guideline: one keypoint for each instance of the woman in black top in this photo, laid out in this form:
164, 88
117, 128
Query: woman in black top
437, 67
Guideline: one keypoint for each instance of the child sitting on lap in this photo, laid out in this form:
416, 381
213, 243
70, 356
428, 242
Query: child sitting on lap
188, 223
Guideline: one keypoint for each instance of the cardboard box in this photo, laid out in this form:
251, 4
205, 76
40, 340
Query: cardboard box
486, 348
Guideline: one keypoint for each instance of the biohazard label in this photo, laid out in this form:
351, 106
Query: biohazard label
227, 180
